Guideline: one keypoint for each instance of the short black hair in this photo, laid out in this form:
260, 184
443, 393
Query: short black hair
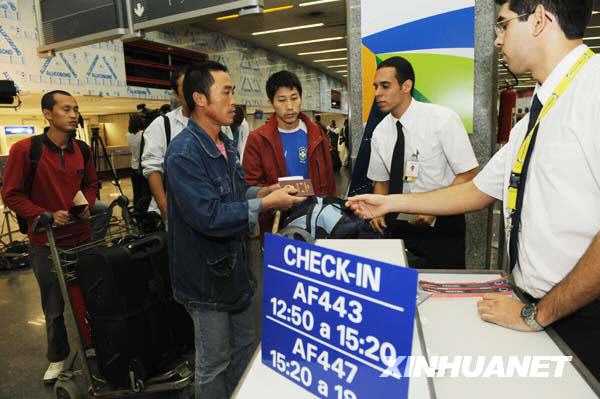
165, 108
318, 118
136, 123
282, 79
404, 70
239, 116
198, 78
48, 100
176, 74
573, 16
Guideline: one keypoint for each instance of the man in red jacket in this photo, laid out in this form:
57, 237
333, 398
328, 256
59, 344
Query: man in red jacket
62, 170
289, 144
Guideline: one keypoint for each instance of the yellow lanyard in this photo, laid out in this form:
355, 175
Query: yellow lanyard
515, 177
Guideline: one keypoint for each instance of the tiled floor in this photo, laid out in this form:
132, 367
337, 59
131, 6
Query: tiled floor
22, 329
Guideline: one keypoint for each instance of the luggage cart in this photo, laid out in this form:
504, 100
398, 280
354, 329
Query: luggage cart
175, 380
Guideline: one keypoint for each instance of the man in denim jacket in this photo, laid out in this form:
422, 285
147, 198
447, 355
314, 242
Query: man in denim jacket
211, 211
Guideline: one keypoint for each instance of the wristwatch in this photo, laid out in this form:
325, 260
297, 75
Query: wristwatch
528, 314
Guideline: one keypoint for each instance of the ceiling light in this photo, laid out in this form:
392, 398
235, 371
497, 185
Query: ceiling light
591, 38
312, 3
342, 71
325, 39
266, 11
593, 12
335, 50
275, 9
265, 32
336, 66
332, 59
225, 17
345, 76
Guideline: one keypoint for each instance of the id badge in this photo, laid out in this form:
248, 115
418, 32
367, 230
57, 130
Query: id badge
411, 171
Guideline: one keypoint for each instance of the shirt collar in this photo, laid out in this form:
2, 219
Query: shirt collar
54, 147
558, 73
178, 115
408, 118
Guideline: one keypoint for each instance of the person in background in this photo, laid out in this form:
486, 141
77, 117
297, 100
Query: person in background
321, 125
134, 140
165, 109
290, 144
156, 142
240, 130
419, 147
342, 146
211, 212
61, 172
547, 177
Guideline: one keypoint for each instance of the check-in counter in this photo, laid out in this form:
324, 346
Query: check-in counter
448, 326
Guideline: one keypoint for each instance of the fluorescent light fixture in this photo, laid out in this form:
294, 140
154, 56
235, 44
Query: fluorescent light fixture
345, 76
593, 12
266, 32
325, 39
275, 9
313, 3
591, 38
332, 59
336, 66
265, 11
226, 17
342, 71
335, 50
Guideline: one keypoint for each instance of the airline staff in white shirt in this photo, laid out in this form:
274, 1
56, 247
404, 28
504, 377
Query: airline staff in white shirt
155, 144
557, 253
432, 151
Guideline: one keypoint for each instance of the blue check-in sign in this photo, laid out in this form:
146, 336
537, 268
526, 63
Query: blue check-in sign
19, 130
334, 322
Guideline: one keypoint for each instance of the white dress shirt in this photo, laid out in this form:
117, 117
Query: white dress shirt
155, 144
561, 204
434, 136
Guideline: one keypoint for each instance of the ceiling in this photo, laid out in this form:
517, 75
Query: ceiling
592, 39
88, 105
331, 14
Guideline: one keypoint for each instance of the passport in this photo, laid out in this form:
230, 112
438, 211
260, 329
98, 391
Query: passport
304, 186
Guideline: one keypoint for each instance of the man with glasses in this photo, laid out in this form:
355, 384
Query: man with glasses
547, 176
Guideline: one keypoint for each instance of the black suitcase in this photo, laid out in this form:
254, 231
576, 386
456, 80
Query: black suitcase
127, 294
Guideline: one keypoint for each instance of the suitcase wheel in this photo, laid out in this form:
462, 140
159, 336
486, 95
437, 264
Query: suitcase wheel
67, 389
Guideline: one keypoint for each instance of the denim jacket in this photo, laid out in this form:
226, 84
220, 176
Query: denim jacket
211, 210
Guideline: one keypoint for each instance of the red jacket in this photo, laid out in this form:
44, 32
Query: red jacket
264, 162
58, 177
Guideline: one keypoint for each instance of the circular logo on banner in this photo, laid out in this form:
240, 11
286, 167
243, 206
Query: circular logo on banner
302, 153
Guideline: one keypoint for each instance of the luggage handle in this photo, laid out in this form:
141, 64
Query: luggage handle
144, 247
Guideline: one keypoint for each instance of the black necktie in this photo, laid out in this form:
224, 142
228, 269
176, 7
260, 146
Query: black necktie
513, 245
397, 168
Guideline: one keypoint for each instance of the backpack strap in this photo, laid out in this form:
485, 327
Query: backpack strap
35, 154
85, 150
167, 129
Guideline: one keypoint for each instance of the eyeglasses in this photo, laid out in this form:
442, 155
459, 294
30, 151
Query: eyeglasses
500, 26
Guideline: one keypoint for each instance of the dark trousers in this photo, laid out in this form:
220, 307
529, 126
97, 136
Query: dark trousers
440, 247
52, 303
137, 183
581, 331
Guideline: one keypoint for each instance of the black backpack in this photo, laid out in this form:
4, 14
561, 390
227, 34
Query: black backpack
322, 217
35, 154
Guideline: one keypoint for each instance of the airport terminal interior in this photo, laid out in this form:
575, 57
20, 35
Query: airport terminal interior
117, 59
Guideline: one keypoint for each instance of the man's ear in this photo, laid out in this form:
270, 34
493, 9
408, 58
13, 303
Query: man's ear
407, 86
540, 22
200, 100
47, 114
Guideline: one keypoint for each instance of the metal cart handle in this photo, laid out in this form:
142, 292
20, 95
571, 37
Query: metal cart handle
43, 221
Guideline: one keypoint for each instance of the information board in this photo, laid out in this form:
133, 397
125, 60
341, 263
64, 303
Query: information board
68, 24
149, 14
334, 322
19, 130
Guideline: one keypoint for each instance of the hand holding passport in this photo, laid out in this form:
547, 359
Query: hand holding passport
304, 186
80, 204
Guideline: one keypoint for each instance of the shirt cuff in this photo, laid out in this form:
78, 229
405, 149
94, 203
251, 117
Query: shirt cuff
254, 208
252, 192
